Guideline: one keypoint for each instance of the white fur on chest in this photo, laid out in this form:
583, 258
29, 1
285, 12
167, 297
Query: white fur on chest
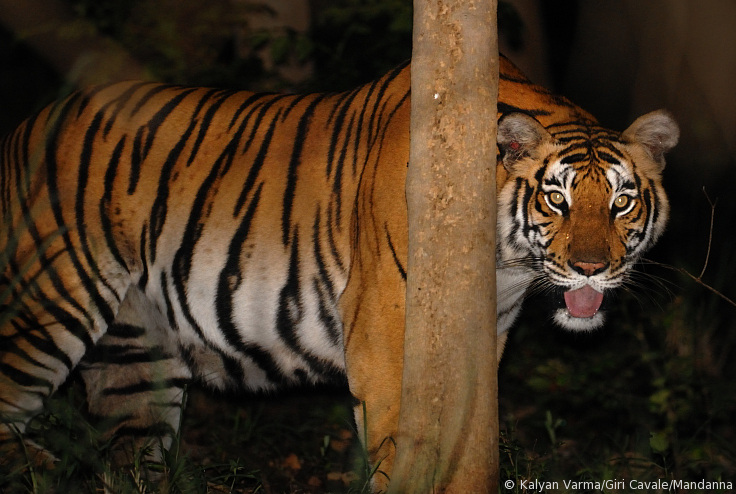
511, 287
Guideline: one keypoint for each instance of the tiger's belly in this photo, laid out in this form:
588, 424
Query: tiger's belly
260, 321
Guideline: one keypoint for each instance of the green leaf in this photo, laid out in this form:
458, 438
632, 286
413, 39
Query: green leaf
659, 442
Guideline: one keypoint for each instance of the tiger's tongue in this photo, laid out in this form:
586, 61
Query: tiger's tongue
583, 302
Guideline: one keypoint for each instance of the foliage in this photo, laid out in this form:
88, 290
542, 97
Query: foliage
228, 444
188, 42
182, 41
356, 40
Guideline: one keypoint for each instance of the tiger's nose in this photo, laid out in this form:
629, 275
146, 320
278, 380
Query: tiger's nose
588, 268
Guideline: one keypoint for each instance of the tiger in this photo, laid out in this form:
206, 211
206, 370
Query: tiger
155, 235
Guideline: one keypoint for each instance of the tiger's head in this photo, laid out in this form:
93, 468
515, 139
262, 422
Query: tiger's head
579, 204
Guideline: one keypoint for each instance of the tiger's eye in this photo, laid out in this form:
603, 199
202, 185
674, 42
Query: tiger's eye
556, 198
621, 201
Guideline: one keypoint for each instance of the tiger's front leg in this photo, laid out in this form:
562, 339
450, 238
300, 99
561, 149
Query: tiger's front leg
373, 312
135, 379
373, 305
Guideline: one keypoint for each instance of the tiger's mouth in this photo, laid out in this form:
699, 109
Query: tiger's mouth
582, 309
583, 302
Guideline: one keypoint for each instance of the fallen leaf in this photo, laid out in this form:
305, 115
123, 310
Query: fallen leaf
292, 462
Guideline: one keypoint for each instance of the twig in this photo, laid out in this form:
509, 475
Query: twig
710, 232
696, 279
699, 279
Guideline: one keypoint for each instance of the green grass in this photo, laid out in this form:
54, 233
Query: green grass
289, 444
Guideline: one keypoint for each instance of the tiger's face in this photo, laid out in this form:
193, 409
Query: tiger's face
579, 204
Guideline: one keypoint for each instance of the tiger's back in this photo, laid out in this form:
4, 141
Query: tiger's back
153, 234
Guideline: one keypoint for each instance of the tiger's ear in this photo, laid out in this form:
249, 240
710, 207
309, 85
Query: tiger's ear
519, 135
657, 132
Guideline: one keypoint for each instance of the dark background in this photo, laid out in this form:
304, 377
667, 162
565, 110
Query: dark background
651, 395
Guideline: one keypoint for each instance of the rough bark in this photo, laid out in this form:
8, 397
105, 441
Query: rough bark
448, 428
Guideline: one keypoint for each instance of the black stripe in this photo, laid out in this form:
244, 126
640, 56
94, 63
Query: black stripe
613, 152
528, 226
332, 243
73, 325
143, 281
290, 313
324, 287
207, 118
126, 331
337, 182
380, 135
52, 184
608, 158
229, 280
290, 307
245, 104
41, 341
296, 99
652, 210
318, 256
25, 379
119, 102
22, 174
10, 347
85, 160
580, 127
339, 112
400, 267
359, 137
324, 305
106, 204
390, 115
302, 131
146, 134
136, 159
344, 105
515, 207
126, 354
145, 386
142, 102
262, 109
159, 209
575, 158
256, 166
232, 367
170, 314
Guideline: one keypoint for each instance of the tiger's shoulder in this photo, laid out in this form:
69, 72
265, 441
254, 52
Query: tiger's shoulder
516, 93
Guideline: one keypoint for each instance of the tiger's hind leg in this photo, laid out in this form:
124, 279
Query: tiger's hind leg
135, 380
44, 333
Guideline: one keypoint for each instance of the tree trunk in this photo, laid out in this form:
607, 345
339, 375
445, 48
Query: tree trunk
448, 428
